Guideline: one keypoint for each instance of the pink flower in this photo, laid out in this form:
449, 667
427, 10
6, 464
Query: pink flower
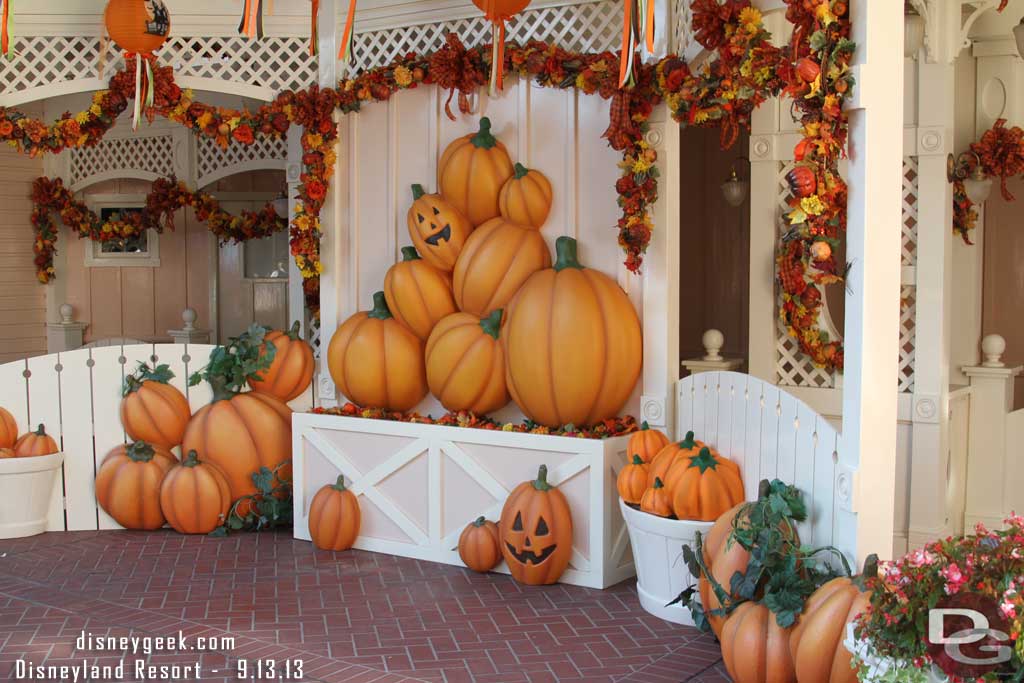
1008, 609
954, 578
921, 558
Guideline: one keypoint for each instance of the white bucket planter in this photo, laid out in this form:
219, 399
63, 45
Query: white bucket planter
875, 667
26, 485
658, 555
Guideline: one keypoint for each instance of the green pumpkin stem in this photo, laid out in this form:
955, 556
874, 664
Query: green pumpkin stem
637, 460
764, 489
492, 323
521, 171
479, 521
541, 483
658, 484
688, 442
644, 426
339, 485
410, 254
870, 566
221, 391
41, 431
483, 139
704, 460
565, 251
140, 451
293, 331
191, 460
417, 191
380, 309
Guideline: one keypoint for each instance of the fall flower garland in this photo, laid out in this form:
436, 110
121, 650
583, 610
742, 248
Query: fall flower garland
1001, 154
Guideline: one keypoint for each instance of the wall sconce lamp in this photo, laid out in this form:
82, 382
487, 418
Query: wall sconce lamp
1018, 35
734, 189
280, 203
977, 185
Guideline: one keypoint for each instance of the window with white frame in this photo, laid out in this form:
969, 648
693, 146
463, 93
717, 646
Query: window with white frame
141, 250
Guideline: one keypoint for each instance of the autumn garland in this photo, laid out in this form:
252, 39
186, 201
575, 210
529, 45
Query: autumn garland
1001, 154
166, 198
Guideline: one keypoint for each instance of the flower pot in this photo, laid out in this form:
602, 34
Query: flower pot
662, 575
26, 485
875, 667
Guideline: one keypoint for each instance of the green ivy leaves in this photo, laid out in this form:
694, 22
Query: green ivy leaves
231, 366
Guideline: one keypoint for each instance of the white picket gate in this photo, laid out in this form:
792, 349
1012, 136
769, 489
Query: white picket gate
771, 434
76, 395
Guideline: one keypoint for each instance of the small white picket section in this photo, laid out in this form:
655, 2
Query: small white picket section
772, 434
76, 395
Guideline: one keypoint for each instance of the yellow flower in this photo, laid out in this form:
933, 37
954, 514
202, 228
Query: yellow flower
701, 117
580, 81
824, 13
641, 166
204, 120
599, 66
812, 205
507, 427
750, 18
95, 110
815, 88
403, 77
82, 116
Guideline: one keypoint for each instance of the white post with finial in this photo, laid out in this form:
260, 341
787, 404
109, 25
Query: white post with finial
66, 334
713, 341
189, 333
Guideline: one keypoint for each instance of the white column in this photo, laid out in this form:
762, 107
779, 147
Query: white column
873, 246
65, 335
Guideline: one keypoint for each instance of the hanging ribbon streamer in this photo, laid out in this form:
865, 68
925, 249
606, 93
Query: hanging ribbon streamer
314, 38
251, 24
5, 19
497, 46
144, 95
648, 28
628, 43
345, 51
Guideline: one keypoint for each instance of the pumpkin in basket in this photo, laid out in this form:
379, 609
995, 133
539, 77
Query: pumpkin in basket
704, 487
7, 453
536, 531
646, 443
8, 429
334, 517
376, 361
655, 500
417, 293
817, 641
670, 454
437, 229
498, 258
755, 649
35, 443
195, 496
466, 364
128, 484
632, 481
291, 371
525, 198
479, 546
573, 345
152, 410
472, 171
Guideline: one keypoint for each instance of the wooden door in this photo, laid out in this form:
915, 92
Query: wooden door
253, 285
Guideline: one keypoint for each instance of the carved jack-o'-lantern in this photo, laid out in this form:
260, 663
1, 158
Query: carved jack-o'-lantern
536, 531
437, 229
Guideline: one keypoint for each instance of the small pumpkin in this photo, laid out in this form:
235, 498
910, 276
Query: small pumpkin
472, 171
498, 258
646, 443
291, 371
334, 517
670, 454
7, 453
820, 251
466, 364
151, 409
479, 546
705, 486
632, 481
525, 198
128, 485
655, 500
817, 641
195, 496
807, 69
802, 181
8, 429
35, 443
573, 344
376, 361
437, 228
417, 293
536, 531
755, 649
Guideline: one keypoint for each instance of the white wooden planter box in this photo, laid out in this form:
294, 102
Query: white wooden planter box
27, 486
661, 574
419, 485
874, 666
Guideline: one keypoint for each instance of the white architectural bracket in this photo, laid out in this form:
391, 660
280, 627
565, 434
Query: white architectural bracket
948, 24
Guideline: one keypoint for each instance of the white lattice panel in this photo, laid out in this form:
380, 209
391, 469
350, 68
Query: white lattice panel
682, 26
213, 162
588, 27
314, 337
908, 257
908, 314
909, 249
149, 154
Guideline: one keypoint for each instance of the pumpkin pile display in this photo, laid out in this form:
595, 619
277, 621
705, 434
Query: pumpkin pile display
476, 314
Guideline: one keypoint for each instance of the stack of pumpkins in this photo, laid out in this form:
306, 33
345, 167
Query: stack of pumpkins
24, 446
142, 484
476, 313
686, 480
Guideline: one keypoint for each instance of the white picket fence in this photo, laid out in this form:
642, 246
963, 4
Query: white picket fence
76, 395
771, 434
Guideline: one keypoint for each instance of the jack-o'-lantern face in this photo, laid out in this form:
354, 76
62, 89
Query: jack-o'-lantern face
536, 532
437, 229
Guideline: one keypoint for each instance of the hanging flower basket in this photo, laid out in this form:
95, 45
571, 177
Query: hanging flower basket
26, 486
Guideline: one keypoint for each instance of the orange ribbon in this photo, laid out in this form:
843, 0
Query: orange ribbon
313, 36
346, 36
627, 42
5, 41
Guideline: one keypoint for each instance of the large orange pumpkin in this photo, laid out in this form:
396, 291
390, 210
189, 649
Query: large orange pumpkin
417, 293
437, 228
334, 517
7, 453
195, 496
536, 531
8, 429
632, 481
479, 546
817, 641
573, 344
498, 258
670, 454
525, 198
655, 500
646, 443
755, 649
35, 443
466, 364
128, 484
291, 371
703, 487
471, 172
376, 361
134, 27
152, 410
240, 433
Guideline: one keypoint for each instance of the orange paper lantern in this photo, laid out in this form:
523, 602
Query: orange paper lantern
498, 12
137, 26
